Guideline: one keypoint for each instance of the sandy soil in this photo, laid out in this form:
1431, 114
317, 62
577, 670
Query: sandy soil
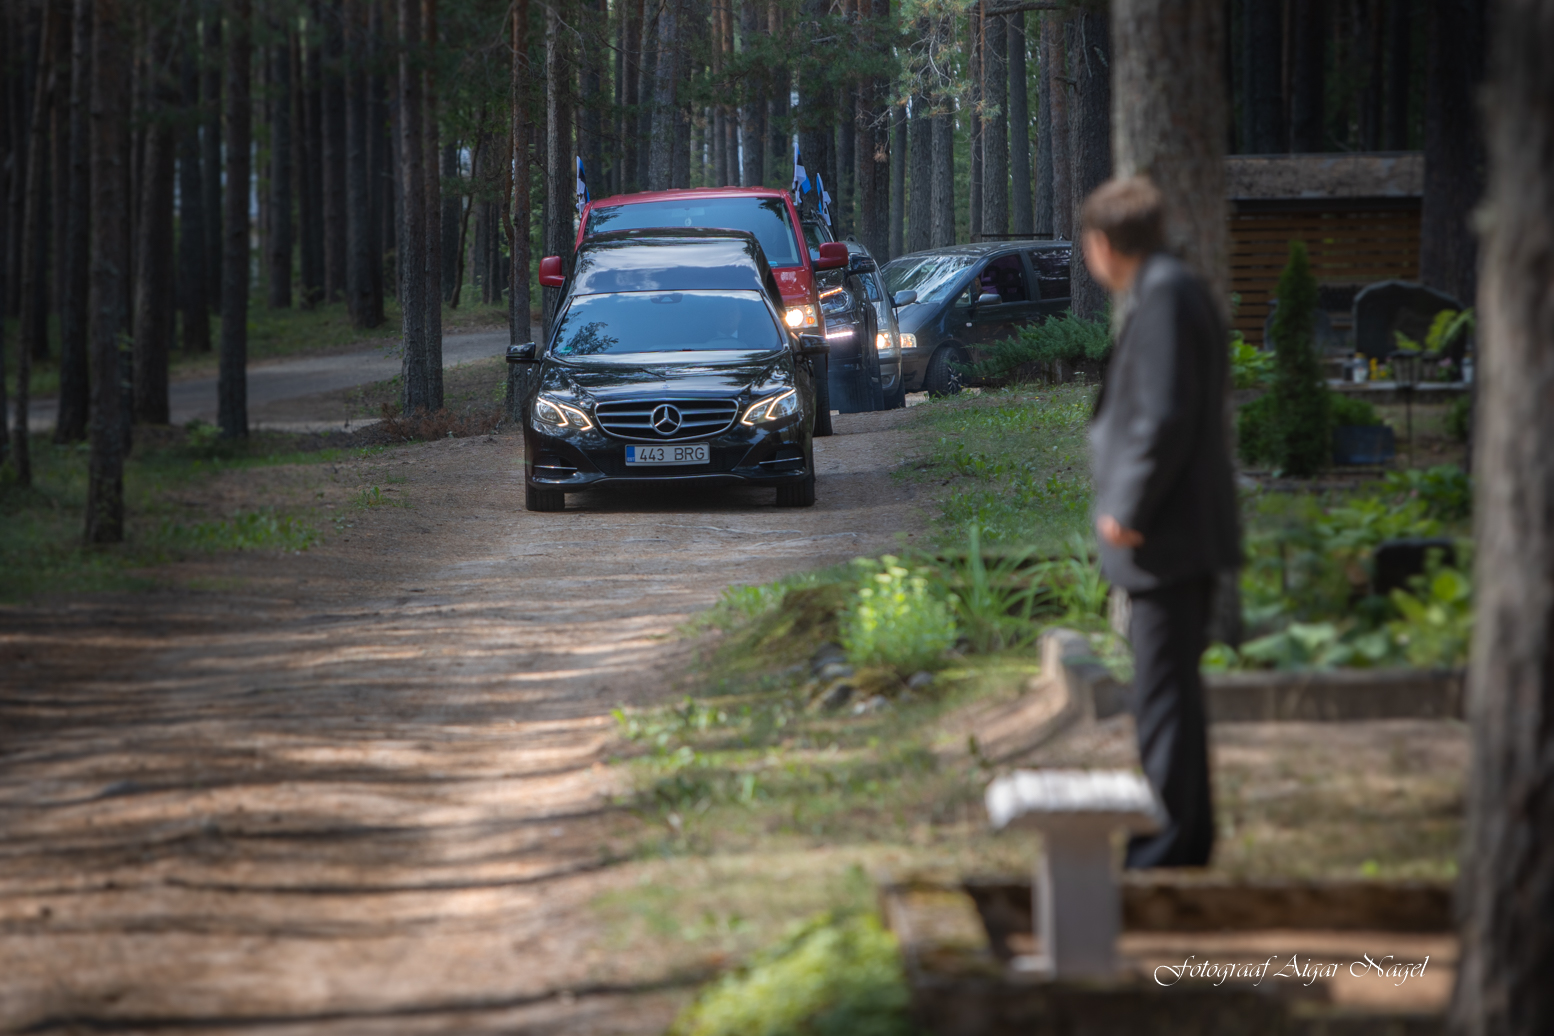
361, 789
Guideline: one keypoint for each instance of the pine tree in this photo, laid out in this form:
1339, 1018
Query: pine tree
1300, 398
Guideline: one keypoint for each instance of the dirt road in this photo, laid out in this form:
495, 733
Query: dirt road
363, 789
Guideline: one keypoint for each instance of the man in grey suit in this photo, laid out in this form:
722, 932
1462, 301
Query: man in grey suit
1165, 497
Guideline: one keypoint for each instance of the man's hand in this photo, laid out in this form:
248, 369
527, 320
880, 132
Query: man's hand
1113, 534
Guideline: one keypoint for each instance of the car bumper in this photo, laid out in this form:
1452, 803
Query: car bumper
765, 458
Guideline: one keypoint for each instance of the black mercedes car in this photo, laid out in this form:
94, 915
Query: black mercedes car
951, 301
669, 362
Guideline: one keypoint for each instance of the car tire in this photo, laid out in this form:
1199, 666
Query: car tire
822, 396
799, 494
941, 378
544, 499
896, 398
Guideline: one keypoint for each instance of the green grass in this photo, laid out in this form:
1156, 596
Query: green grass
1013, 460
41, 549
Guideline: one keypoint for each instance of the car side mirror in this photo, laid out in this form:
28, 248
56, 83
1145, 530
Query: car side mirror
903, 298
521, 353
861, 263
551, 274
812, 345
833, 256
989, 299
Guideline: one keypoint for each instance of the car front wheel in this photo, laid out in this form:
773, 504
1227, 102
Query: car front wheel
942, 378
799, 494
544, 499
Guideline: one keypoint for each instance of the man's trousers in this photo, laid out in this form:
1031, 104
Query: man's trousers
1168, 631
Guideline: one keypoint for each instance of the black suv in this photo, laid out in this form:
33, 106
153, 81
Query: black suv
864, 366
952, 301
669, 361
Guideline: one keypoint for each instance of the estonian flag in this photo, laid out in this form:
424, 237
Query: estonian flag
800, 177
825, 199
582, 187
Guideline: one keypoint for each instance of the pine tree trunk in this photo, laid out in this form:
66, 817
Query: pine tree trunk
898, 168
753, 114
1168, 118
332, 83
232, 378
1042, 207
153, 316
1505, 895
108, 288
358, 199
59, 157
452, 211
680, 167
1399, 31
943, 186
558, 144
995, 127
1262, 106
34, 251
631, 97
1308, 49
647, 92
410, 256
919, 176
1454, 152
1090, 140
74, 383
380, 183
1021, 217
519, 303
431, 153
191, 210
1054, 39
279, 99
310, 196
976, 133
210, 150
872, 139
661, 143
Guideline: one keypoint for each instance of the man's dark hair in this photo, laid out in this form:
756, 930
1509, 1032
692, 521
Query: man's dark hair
1129, 212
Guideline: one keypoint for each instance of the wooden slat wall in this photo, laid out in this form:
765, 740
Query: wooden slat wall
1347, 247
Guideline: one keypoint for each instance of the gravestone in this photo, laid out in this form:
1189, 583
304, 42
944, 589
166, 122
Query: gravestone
1389, 306
1396, 562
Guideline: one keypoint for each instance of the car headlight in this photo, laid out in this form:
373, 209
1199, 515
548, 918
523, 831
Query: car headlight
884, 344
836, 301
908, 341
772, 408
560, 415
802, 316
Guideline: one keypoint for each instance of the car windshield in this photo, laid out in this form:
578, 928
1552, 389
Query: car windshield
933, 277
766, 218
666, 322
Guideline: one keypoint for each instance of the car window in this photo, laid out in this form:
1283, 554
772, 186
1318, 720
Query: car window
933, 277
1052, 271
871, 287
1004, 277
766, 218
666, 321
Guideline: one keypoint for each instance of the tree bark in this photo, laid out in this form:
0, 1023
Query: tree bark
332, 83
647, 92
519, 304
680, 168
976, 131
109, 269
943, 187
1454, 150
898, 168
210, 148
74, 383
1168, 121
431, 152
280, 242
415, 394
1021, 216
1505, 894
358, 197
153, 313
1090, 140
872, 139
1054, 74
1399, 30
310, 200
34, 251
1262, 105
59, 158
559, 192
661, 142
232, 378
191, 210
1041, 208
995, 127
1308, 48
752, 121
919, 235
631, 97
380, 183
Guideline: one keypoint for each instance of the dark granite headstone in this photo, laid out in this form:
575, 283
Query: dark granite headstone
1398, 561
1390, 306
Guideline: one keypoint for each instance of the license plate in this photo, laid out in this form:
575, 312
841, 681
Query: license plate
687, 453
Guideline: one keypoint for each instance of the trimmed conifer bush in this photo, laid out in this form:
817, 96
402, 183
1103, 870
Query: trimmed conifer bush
1300, 404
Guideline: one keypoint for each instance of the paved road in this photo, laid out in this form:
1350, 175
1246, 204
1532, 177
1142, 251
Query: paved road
271, 382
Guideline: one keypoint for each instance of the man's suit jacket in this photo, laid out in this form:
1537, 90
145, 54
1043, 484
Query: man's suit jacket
1158, 441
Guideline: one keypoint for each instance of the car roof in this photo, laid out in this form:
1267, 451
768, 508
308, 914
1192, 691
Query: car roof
981, 248
690, 192
672, 259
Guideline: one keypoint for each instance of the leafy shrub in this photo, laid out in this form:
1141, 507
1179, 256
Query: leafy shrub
835, 976
895, 619
1250, 367
1257, 439
1348, 410
1037, 349
1320, 645
1459, 419
1445, 490
1300, 406
1437, 620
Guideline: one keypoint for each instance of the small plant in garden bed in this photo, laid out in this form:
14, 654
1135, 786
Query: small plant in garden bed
1045, 351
